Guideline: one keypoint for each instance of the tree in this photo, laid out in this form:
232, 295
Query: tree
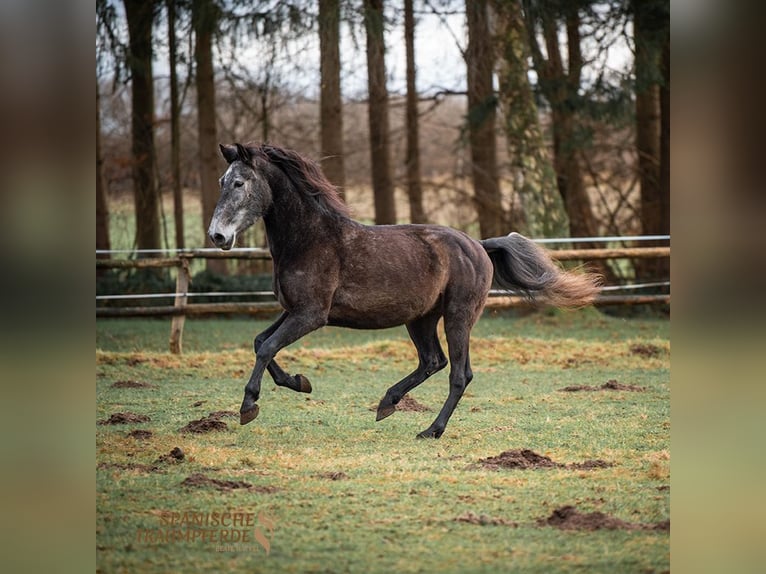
175, 128
382, 185
560, 85
140, 17
414, 187
651, 29
481, 120
102, 209
531, 168
204, 19
331, 107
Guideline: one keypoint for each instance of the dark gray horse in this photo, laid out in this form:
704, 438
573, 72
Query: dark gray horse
331, 270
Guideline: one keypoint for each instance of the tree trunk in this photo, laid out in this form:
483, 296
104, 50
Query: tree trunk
560, 87
414, 187
102, 207
204, 21
382, 185
175, 134
532, 172
481, 121
330, 103
648, 25
665, 141
139, 15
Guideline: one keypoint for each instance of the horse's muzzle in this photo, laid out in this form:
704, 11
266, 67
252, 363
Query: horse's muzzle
221, 241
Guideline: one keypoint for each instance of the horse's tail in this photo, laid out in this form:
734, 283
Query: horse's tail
522, 265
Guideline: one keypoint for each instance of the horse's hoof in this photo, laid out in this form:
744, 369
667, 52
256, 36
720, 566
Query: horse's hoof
384, 411
303, 383
429, 433
247, 416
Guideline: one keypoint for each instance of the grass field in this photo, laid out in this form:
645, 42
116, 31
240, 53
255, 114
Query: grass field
327, 489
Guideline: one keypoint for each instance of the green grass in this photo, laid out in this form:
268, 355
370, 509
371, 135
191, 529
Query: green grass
396, 510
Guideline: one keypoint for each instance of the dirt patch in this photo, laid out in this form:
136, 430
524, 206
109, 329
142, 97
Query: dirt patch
175, 455
333, 475
128, 466
569, 518
125, 418
588, 465
210, 423
407, 404
484, 520
140, 434
610, 385
645, 350
198, 480
528, 459
132, 385
199, 403
518, 458
218, 415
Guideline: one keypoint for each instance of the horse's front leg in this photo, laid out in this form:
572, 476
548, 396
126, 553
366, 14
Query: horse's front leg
292, 327
297, 383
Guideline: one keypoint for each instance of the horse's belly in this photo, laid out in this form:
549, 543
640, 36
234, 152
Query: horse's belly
376, 310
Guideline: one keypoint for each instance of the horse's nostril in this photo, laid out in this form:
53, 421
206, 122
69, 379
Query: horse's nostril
218, 238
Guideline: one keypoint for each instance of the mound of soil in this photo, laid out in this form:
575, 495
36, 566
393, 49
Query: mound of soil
518, 458
333, 475
198, 480
132, 385
407, 404
528, 459
125, 418
610, 385
569, 518
210, 423
645, 350
484, 520
128, 466
175, 455
588, 464
140, 434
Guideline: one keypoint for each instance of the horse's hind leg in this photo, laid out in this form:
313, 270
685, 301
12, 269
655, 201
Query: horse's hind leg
281, 378
431, 359
458, 330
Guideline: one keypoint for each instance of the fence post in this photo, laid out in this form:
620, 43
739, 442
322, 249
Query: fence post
177, 324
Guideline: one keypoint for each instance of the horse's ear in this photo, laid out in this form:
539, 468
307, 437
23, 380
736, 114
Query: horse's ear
229, 153
243, 154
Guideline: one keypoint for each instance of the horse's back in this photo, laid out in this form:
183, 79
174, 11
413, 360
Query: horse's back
391, 275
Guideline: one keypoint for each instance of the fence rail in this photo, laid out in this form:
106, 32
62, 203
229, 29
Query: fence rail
181, 308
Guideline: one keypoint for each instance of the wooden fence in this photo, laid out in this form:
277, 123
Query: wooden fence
181, 308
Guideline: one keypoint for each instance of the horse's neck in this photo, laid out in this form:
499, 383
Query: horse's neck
292, 225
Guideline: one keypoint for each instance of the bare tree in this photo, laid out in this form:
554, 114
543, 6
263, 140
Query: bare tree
175, 128
140, 17
102, 207
651, 23
331, 107
560, 85
204, 18
382, 185
414, 187
481, 120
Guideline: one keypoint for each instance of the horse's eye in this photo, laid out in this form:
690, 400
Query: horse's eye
239, 183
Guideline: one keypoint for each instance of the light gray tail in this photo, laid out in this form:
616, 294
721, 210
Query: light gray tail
522, 265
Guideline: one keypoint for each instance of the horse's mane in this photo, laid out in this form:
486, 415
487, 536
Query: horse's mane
305, 174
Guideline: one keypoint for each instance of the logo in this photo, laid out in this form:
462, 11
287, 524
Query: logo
228, 530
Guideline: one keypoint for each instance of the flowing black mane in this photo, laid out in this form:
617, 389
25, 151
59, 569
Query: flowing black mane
305, 175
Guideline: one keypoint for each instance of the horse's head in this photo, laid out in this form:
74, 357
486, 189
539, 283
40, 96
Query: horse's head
245, 196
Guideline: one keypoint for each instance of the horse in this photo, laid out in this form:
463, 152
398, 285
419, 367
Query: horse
329, 269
